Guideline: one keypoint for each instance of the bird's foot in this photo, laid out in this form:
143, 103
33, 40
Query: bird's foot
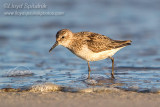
112, 76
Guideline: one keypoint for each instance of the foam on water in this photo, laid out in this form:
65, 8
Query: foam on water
49, 87
19, 71
94, 79
90, 82
46, 87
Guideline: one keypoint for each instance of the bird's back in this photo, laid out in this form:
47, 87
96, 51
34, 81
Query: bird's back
97, 42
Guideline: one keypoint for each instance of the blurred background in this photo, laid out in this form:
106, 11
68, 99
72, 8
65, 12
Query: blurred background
25, 40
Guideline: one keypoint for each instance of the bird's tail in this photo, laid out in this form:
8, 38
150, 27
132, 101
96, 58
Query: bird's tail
119, 43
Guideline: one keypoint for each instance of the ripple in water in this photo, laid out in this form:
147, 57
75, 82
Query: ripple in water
19, 71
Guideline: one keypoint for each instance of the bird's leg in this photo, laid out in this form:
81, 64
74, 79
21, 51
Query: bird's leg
89, 70
112, 74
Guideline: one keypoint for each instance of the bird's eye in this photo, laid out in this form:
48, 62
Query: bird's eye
62, 37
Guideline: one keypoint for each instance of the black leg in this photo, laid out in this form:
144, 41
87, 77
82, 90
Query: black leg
89, 70
112, 74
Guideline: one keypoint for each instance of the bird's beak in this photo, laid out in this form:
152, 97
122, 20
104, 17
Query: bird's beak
55, 44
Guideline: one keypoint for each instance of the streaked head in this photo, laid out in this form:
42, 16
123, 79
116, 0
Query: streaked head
63, 38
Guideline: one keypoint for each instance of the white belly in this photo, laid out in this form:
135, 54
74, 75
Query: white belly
89, 55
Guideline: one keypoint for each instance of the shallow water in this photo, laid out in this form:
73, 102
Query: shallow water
26, 40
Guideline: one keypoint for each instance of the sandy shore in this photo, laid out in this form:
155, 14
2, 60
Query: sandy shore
67, 99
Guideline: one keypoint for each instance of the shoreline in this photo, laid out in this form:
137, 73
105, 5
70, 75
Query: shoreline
67, 99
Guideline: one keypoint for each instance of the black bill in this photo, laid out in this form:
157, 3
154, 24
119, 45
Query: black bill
55, 44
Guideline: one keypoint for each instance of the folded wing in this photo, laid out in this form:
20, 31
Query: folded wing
98, 43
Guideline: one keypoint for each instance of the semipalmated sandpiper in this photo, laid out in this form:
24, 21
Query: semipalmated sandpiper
90, 46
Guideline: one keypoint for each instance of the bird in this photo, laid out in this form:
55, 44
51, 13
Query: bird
90, 46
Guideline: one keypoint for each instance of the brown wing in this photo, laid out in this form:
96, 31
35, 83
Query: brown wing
98, 43
118, 44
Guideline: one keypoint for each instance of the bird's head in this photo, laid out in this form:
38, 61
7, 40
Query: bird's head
63, 37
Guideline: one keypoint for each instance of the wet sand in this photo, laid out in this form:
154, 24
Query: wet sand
67, 99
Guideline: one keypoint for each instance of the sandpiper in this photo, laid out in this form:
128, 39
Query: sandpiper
89, 46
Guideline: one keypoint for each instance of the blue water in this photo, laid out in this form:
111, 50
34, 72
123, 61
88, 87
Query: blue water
26, 40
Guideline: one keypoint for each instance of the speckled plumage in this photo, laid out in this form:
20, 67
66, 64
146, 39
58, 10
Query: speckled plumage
89, 46
98, 43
